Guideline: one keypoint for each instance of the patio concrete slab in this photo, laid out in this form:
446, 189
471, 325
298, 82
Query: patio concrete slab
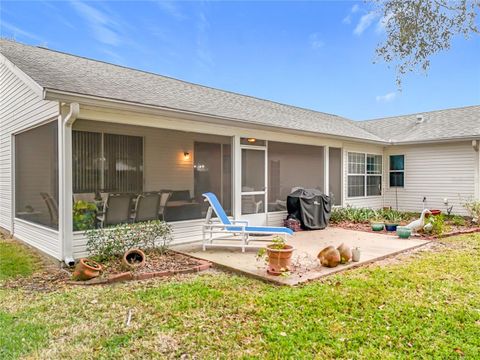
307, 245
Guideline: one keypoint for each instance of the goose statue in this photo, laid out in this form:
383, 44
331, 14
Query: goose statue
420, 223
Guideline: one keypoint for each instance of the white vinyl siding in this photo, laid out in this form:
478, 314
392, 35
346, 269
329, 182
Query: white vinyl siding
21, 108
436, 172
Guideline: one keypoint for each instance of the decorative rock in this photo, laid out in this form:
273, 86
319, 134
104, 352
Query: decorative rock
329, 257
345, 253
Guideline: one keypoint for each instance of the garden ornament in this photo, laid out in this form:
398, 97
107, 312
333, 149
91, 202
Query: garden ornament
420, 223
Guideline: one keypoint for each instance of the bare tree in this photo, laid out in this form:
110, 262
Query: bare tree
418, 29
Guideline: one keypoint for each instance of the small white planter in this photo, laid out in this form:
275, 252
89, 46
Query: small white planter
356, 254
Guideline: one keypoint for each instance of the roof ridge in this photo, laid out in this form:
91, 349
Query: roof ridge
418, 112
179, 80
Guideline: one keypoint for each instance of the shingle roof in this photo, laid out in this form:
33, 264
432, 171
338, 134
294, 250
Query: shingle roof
55, 70
437, 125
59, 71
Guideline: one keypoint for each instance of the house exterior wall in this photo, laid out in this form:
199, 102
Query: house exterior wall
21, 108
434, 171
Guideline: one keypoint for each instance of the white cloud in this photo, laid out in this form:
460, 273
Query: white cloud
204, 55
364, 23
16, 31
386, 98
103, 26
382, 23
348, 19
316, 42
171, 9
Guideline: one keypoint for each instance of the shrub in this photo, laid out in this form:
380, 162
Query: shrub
84, 214
458, 220
473, 209
438, 224
352, 214
110, 242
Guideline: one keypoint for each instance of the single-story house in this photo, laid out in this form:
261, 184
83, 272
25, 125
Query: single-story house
71, 125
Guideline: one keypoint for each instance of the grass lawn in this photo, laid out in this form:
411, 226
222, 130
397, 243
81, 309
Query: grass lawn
15, 260
426, 306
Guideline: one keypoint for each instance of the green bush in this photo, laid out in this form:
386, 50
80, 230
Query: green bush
84, 214
111, 242
438, 224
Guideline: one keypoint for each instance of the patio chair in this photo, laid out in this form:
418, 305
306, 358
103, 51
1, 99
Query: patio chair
116, 210
146, 207
52, 208
233, 227
164, 197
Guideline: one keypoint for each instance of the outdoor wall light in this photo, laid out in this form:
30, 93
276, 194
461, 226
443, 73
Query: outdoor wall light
251, 140
186, 156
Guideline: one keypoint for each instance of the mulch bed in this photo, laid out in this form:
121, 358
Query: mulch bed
157, 265
454, 230
53, 278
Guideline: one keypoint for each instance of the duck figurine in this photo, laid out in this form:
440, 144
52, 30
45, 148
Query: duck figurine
420, 223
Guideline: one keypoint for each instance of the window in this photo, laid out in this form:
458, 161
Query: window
397, 171
364, 175
36, 175
107, 162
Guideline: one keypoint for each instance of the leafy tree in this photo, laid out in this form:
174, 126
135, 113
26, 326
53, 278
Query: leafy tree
418, 29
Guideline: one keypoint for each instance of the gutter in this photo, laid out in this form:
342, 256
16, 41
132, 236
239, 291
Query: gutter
69, 97
67, 184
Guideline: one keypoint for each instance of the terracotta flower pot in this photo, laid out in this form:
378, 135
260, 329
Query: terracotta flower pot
133, 259
86, 269
279, 260
433, 212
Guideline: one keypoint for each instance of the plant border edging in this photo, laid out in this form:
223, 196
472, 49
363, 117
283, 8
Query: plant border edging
129, 276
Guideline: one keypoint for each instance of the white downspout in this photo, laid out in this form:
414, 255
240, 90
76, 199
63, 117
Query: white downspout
476, 148
66, 184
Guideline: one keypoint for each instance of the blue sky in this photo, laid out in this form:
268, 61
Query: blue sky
316, 55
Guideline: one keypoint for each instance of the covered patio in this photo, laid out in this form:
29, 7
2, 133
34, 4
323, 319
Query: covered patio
307, 244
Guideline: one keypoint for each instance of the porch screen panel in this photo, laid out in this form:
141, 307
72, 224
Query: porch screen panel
87, 161
212, 173
36, 175
123, 168
291, 166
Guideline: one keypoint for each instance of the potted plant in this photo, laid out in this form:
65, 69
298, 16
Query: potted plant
84, 215
392, 220
86, 269
279, 255
403, 232
377, 223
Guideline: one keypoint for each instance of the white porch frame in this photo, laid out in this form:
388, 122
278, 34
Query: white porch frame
71, 239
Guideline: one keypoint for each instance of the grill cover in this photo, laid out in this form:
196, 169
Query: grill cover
311, 207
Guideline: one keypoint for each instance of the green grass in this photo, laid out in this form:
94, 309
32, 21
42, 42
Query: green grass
15, 260
427, 306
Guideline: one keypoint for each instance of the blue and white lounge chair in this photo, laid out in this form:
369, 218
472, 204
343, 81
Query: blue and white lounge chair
238, 230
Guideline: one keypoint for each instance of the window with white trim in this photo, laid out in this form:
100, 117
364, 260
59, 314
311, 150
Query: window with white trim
364, 175
397, 171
